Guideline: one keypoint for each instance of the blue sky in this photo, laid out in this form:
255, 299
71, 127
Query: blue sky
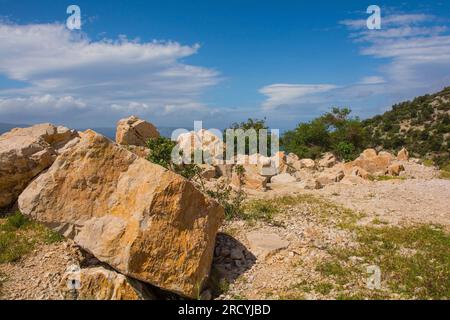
173, 62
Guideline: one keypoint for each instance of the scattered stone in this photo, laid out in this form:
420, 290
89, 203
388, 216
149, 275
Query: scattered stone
263, 244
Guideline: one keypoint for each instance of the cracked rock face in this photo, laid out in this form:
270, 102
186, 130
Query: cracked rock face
26, 152
143, 220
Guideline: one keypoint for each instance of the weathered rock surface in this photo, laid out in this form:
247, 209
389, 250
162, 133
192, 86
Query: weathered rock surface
98, 283
283, 178
26, 152
143, 220
134, 131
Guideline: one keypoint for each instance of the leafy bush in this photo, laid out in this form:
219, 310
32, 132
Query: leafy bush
334, 131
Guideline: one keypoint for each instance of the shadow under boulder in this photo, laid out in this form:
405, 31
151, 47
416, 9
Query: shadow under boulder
231, 259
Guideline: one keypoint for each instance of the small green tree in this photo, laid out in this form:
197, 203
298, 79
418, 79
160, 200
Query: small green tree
161, 153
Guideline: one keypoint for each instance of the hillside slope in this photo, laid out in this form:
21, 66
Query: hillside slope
421, 125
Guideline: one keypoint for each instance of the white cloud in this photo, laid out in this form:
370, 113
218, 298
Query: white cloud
111, 77
372, 80
280, 95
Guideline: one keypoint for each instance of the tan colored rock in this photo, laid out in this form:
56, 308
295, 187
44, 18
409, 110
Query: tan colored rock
359, 172
208, 171
403, 155
308, 164
98, 283
370, 161
283, 178
135, 132
211, 144
252, 179
368, 154
26, 152
328, 177
353, 180
280, 162
395, 169
263, 244
143, 220
328, 160
142, 152
310, 184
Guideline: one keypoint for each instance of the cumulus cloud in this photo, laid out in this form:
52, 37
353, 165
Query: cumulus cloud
110, 77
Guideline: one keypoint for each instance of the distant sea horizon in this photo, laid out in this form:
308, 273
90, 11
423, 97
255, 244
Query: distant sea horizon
108, 132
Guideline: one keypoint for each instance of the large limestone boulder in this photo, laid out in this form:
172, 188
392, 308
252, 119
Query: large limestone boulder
211, 145
143, 220
26, 152
370, 161
135, 132
99, 283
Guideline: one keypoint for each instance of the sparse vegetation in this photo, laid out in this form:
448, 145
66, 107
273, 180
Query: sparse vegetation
414, 261
19, 236
161, 153
421, 125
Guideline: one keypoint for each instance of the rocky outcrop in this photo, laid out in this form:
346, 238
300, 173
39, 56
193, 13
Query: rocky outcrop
143, 220
26, 152
135, 132
99, 283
